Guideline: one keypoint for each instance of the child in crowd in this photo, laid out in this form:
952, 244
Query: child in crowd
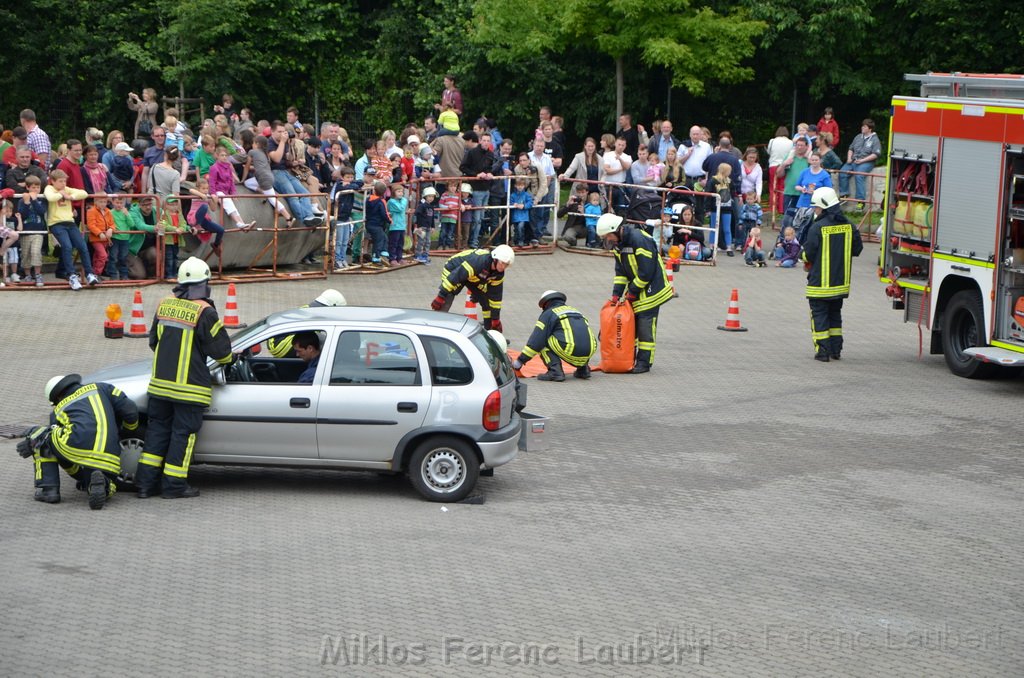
720, 184
466, 210
120, 243
593, 212
753, 249
121, 174
396, 167
172, 225
359, 216
425, 162
60, 219
32, 208
521, 201
751, 213
10, 231
204, 157
408, 165
174, 135
188, 150
378, 222
787, 250
381, 162
222, 184
425, 224
100, 222
688, 237
262, 177
448, 119
398, 205
450, 206
199, 216
343, 196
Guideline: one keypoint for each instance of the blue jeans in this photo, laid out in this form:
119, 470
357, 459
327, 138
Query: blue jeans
726, 225
479, 200
204, 222
69, 236
519, 232
119, 257
779, 253
539, 216
859, 179
286, 182
380, 241
751, 256
446, 239
170, 260
342, 234
396, 244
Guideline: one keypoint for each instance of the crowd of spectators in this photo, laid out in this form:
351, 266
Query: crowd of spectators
485, 188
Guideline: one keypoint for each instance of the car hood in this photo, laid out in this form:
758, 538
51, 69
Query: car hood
132, 378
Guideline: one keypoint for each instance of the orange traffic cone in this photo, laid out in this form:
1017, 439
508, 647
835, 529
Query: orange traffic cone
137, 328
732, 318
471, 308
231, 310
671, 278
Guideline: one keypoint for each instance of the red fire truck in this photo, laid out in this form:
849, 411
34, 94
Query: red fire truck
953, 243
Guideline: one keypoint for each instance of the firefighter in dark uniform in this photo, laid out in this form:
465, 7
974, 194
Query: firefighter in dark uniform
281, 347
483, 272
832, 242
82, 438
561, 333
640, 278
185, 332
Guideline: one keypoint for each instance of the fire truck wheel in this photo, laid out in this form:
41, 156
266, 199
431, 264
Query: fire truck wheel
963, 326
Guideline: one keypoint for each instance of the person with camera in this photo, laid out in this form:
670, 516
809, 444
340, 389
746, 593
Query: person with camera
145, 108
82, 438
279, 148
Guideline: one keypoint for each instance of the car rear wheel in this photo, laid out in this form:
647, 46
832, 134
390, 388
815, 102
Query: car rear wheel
963, 327
444, 468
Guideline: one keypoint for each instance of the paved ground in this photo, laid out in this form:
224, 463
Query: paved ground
740, 511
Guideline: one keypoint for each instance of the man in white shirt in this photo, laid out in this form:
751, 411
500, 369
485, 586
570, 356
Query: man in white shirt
539, 216
616, 165
693, 153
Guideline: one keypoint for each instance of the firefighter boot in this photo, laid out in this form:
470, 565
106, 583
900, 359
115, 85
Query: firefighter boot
554, 372
186, 492
582, 372
822, 355
97, 490
640, 367
50, 495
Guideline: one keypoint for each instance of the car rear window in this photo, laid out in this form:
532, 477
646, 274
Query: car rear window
375, 358
448, 364
496, 357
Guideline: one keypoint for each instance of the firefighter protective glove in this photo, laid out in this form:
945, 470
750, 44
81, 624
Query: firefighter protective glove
438, 302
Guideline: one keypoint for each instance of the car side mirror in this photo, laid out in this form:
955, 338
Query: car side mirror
218, 376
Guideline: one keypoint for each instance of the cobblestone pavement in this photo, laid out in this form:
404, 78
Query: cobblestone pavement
742, 510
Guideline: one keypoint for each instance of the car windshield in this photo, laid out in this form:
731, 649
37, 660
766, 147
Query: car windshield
498, 360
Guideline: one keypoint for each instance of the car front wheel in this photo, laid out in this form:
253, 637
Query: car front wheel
444, 468
131, 450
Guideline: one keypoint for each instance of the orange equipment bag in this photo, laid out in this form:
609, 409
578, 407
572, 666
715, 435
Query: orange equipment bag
618, 337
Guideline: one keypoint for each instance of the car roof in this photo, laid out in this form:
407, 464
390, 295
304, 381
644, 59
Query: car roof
381, 314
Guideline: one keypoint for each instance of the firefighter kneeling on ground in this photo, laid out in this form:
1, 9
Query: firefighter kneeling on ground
827, 254
483, 272
82, 438
281, 347
640, 278
185, 332
561, 333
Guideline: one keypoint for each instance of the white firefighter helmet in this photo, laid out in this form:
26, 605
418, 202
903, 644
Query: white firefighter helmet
330, 297
824, 198
550, 296
607, 223
499, 338
193, 270
59, 384
504, 254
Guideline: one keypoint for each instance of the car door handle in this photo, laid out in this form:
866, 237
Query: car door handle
299, 402
408, 407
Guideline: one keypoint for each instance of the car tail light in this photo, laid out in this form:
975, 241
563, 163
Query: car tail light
492, 411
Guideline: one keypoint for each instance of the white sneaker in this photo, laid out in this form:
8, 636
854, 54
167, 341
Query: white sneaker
15, 277
39, 280
92, 279
75, 283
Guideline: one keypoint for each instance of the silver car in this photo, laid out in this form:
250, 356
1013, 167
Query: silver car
395, 390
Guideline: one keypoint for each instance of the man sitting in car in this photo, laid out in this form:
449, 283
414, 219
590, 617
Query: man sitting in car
307, 347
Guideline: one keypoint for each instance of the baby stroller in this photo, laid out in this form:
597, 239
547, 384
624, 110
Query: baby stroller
643, 206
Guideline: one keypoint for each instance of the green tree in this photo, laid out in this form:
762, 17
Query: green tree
696, 45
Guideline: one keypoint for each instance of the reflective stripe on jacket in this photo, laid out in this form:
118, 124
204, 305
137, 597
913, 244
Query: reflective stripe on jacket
831, 243
566, 332
639, 270
87, 425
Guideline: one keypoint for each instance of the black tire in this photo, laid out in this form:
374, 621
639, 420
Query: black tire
963, 326
131, 447
444, 468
